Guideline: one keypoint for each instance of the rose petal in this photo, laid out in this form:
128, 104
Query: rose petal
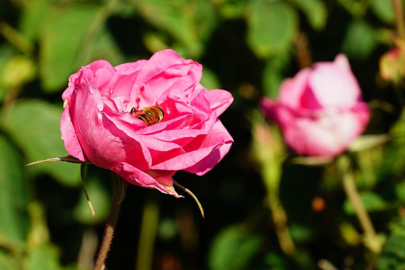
219, 100
206, 164
328, 135
198, 149
292, 90
140, 178
334, 84
103, 144
69, 137
164, 70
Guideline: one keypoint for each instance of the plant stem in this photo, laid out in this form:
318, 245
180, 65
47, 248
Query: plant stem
150, 219
349, 185
272, 175
118, 195
399, 18
302, 51
352, 193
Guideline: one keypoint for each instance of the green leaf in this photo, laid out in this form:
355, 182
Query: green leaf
189, 22
233, 249
370, 200
360, 40
7, 262
34, 126
272, 26
400, 191
44, 257
18, 70
315, 10
301, 233
6, 53
276, 262
233, 9
384, 10
393, 254
272, 76
13, 194
32, 17
62, 35
105, 47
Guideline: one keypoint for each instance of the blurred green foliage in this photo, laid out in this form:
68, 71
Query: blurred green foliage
247, 47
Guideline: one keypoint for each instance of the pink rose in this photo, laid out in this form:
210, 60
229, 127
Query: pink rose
320, 111
98, 127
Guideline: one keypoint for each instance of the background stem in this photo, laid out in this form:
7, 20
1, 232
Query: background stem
272, 174
399, 18
150, 219
370, 235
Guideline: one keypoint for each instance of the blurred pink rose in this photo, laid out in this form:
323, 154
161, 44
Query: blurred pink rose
320, 110
97, 125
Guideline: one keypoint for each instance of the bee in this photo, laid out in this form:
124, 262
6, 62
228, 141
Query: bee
149, 115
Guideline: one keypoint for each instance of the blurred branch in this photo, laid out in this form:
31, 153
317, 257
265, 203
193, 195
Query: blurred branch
87, 249
15, 38
150, 218
399, 18
269, 150
304, 56
272, 176
349, 185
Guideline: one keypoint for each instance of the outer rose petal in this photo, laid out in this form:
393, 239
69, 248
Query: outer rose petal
334, 84
102, 142
205, 165
292, 90
328, 136
199, 149
140, 178
277, 112
160, 73
219, 100
69, 136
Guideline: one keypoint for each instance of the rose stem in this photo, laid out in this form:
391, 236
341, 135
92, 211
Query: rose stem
83, 169
399, 18
150, 219
303, 53
118, 195
272, 173
349, 185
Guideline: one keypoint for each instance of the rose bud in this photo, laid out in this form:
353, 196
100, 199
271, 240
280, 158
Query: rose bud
320, 110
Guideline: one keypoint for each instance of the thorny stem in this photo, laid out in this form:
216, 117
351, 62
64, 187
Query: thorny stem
399, 18
118, 195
